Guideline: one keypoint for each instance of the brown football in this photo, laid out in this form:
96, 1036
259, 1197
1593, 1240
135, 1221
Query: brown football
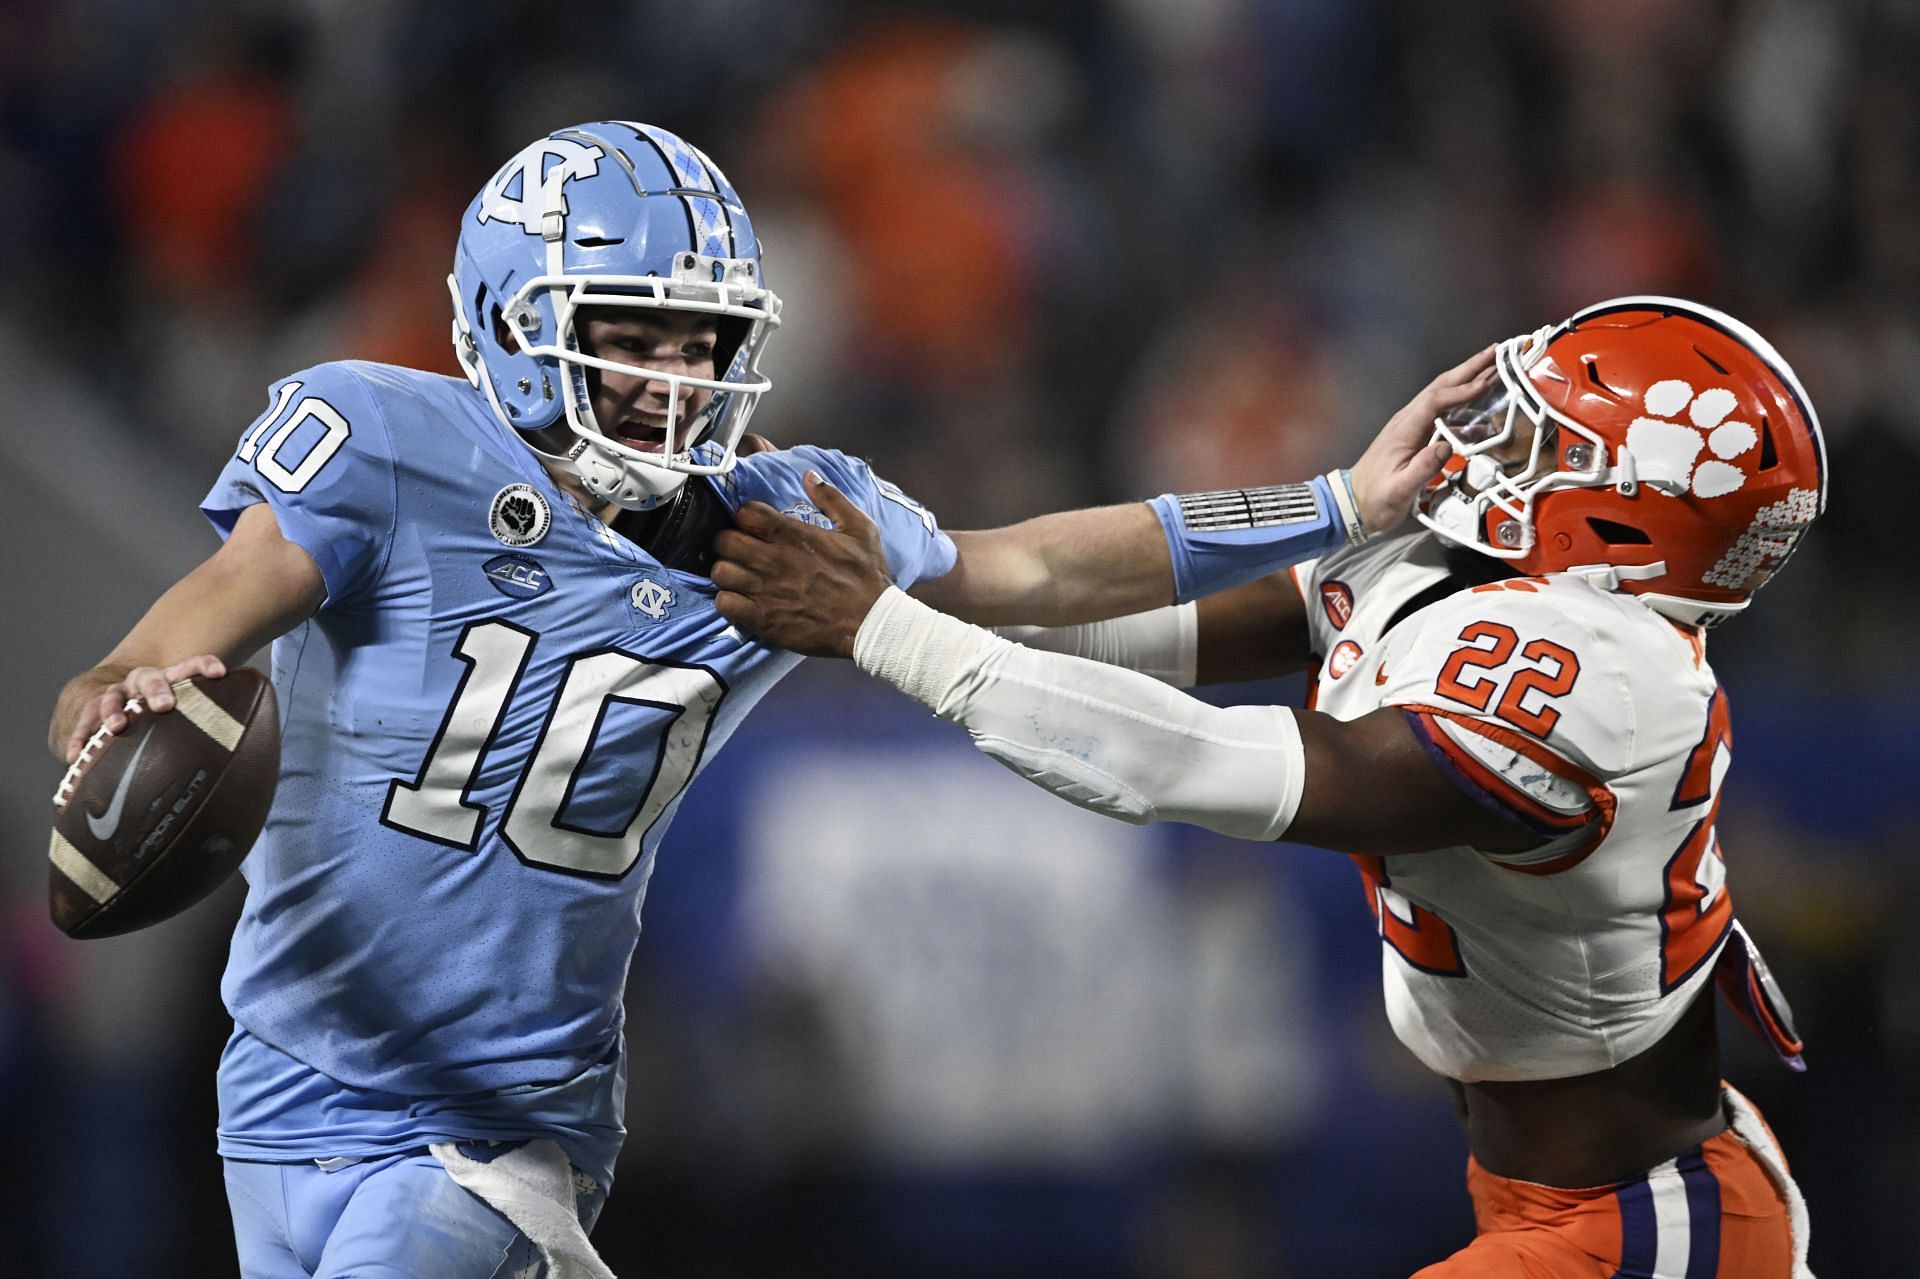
152, 820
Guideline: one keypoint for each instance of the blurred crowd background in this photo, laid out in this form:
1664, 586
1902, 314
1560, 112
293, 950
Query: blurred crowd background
894, 1013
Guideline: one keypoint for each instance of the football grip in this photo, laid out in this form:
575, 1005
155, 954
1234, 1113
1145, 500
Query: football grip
164, 812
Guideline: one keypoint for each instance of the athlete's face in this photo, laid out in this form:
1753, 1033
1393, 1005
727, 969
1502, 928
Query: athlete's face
633, 407
1492, 429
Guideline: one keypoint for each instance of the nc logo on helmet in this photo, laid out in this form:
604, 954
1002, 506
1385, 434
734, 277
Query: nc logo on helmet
514, 195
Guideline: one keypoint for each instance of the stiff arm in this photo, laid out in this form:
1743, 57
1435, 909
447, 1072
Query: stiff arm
1122, 744
1112, 740
1083, 566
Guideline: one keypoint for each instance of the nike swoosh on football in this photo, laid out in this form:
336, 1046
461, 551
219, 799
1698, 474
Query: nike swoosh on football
108, 822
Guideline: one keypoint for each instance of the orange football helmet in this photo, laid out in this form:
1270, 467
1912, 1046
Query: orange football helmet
1654, 445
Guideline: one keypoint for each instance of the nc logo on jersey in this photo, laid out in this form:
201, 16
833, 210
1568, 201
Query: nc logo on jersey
520, 515
651, 598
515, 196
1337, 599
517, 577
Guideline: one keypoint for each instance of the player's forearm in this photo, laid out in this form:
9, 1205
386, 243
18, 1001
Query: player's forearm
1118, 743
1110, 740
1058, 570
1083, 566
231, 607
1162, 643
256, 587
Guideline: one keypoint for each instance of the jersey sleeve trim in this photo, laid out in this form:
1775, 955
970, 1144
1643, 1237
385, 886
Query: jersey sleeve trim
1572, 837
1696, 641
1299, 573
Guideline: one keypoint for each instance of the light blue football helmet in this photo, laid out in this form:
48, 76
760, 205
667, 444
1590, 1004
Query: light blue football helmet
602, 215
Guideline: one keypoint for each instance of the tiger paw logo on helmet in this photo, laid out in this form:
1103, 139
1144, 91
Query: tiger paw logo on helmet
1670, 449
1652, 445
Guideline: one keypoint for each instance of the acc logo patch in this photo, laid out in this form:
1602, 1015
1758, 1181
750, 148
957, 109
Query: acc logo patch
517, 576
651, 598
1345, 656
1337, 599
520, 515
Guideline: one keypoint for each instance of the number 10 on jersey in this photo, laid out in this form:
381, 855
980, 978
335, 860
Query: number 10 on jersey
436, 804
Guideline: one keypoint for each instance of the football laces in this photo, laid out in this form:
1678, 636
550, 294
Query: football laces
95, 744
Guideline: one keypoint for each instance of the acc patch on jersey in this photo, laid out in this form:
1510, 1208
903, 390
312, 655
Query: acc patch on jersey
517, 576
1337, 599
519, 516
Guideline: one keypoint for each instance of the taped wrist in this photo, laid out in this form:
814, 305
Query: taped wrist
1226, 537
1110, 740
1163, 643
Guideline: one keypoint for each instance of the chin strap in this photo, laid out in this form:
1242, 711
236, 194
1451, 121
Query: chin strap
607, 479
465, 350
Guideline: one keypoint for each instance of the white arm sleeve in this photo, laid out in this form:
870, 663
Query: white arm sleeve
1111, 740
1163, 643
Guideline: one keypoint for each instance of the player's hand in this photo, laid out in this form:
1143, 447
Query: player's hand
750, 444
1405, 455
803, 588
98, 698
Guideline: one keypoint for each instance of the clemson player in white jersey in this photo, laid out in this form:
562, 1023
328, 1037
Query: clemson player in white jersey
1538, 740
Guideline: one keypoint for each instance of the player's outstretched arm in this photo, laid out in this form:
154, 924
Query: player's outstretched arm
256, 587
1109, 739
1081, 566
1119, 743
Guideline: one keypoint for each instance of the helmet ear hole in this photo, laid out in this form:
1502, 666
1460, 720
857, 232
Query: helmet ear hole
1617, 534
1768, 458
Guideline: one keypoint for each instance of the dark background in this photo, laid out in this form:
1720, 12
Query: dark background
892, 1013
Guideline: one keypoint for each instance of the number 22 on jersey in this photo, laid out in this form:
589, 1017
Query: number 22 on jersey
1421, 936
436, 806
1695, 910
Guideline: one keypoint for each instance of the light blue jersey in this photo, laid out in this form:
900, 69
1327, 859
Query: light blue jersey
486, 731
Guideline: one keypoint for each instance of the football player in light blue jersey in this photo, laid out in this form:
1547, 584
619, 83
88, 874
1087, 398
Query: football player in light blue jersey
499, 666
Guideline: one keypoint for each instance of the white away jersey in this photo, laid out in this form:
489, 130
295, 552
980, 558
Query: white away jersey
1581, 714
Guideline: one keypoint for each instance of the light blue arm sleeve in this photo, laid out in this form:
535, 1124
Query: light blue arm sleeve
322, 459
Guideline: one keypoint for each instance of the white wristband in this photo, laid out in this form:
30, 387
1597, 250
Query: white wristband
1347, 506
